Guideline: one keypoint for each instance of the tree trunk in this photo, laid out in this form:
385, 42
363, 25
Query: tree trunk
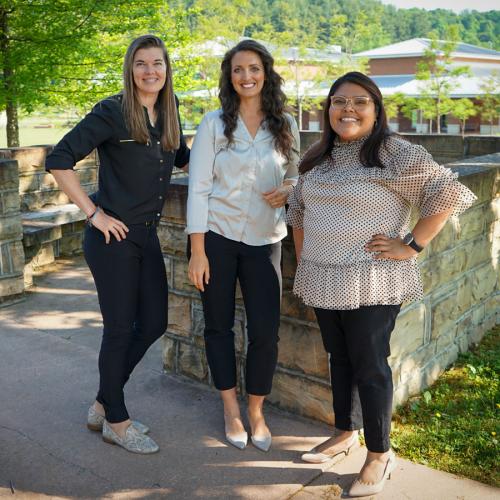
12, 126
8, 87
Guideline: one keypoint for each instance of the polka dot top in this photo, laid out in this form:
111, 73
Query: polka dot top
341, 204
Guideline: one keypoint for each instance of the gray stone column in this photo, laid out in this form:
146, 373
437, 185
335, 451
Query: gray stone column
11, 234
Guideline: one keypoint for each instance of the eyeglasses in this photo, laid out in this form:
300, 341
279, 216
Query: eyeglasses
359, 103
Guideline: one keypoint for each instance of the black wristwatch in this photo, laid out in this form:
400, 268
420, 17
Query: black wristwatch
409, 240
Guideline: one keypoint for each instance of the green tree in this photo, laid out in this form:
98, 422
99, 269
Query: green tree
490, 99
463, 109
438, 75
69, 52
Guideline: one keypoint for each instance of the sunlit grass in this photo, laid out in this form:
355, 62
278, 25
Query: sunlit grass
454, 425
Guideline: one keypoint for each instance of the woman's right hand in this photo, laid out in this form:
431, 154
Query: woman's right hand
199, 270
109, 226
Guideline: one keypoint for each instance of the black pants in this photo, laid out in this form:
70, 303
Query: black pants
358, 343
132, 288
259, 274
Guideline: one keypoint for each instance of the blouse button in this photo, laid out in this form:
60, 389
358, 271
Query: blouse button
160, 197
161, 161
161, 178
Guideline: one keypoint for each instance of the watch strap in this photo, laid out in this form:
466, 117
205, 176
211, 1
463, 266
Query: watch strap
413, 244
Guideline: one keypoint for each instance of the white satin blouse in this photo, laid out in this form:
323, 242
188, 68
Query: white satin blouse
226, 182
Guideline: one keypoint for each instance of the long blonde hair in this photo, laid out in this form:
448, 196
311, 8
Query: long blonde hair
133, 111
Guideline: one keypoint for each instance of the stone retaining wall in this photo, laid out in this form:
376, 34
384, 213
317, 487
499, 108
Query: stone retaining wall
11, 234
444, 148
38, 188
462, 300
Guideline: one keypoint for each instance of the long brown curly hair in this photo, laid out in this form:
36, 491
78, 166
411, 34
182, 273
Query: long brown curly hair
273, 98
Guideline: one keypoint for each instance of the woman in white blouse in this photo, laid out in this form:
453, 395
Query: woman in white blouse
243, 166
350, 213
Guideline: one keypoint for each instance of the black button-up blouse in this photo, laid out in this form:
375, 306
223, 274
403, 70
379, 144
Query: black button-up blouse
133, 177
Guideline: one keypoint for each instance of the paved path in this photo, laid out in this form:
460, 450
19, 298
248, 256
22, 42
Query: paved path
48, 356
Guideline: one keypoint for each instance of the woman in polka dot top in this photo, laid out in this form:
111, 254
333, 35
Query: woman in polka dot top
350, 214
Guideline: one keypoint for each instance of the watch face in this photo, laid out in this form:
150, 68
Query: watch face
408, 239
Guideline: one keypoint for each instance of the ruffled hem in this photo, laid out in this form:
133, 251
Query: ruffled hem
351, 286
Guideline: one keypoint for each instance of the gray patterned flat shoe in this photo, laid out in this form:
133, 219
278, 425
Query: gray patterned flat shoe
133, 441
95, 422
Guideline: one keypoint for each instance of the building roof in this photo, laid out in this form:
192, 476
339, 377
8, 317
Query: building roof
417, 46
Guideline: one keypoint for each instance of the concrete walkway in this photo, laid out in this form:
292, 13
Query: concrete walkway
48, 376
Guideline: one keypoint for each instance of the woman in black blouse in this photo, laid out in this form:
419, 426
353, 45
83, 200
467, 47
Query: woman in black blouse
139, 139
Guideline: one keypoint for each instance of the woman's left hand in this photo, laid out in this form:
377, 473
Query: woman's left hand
389, 248
277, 197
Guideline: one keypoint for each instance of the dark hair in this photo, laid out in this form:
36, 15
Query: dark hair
273, 98
369, 154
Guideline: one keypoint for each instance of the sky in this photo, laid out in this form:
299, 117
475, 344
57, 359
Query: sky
455, 5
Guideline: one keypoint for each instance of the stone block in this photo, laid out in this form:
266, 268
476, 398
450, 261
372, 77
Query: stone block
17, 256
300, 395
87, 175
173, 239
492, 304
174, 209
462, 343
478, 314
71, 244
37, 233
192, 362
415, 360
179, 315
180, 279
443, 315
484, 282
10, 227
472, 222
483, 184
9, 175
47, 182
293, 307
9, 203
169, 353
11, 258
168, 268
198, 322
444, 240
477, 251
289, 262
435, 367
11, 286
29, 182
30, 159
39, 199
301, 349
43, 255
446, 339
442, 268
409, 332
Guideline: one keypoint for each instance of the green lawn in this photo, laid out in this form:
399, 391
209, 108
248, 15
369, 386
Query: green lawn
455, 425
38, 130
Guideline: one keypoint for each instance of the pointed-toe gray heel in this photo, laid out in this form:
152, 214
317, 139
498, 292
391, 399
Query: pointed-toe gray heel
262, 443
315, 457
361, 489
95, 422
239, 440
133, 441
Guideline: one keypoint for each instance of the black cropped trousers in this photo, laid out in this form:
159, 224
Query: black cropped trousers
358, 343
132, 289
258, 270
